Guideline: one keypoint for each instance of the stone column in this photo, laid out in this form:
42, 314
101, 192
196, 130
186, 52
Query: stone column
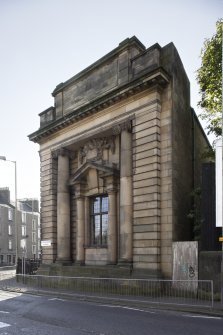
80, 234
126, 251
87, 221
112, 222
63, 208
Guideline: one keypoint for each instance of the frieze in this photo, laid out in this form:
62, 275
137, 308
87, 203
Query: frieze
97, 144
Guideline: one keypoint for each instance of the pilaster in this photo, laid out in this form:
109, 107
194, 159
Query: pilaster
80, 236
112, 220
126, 194
63, 208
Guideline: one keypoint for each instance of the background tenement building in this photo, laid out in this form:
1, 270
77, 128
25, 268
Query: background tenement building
28, 223
120, 153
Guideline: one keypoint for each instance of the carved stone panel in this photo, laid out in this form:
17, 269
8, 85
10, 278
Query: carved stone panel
93, 149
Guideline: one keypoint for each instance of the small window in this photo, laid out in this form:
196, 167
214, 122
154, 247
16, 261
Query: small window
33, 249
23, 217
10, 214
23, 230
10, 244
23, 243
9, 259
33, 224
33, 236
10, 230
99, 220
1, 259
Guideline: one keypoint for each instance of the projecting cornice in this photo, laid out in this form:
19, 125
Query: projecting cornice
157, 78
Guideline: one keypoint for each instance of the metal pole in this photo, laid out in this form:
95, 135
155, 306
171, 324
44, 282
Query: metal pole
16, 223
222, 167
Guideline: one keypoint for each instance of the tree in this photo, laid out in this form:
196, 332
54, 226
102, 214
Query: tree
209, 77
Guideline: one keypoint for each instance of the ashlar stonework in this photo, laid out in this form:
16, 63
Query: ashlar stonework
120, 153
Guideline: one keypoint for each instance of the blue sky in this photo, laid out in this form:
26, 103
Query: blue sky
45, 42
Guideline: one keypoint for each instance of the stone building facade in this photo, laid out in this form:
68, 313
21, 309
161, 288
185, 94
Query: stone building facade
120, 152
23, 228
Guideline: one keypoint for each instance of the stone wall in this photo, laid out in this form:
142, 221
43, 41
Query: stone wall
176, 166
146, 186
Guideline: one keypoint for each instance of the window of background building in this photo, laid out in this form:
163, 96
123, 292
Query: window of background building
23, 217
33, 249
23, 243
99, 220
10, 244
33, 224
10, 214
9, 229
1, 259
33, 236
9, 259
23, 230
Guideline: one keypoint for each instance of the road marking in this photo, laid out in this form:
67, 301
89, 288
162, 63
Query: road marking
4, 312
2, 325
53, 299
130, 308
203, 316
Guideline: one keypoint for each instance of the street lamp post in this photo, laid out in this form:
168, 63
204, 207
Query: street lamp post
3, 158
222, 159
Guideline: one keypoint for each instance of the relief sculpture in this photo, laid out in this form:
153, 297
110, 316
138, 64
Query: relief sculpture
97, 144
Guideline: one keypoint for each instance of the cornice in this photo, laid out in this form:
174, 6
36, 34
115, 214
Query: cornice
158, 78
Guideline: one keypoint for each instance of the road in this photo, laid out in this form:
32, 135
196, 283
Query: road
48, 315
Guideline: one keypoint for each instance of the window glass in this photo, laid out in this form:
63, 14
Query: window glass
99, 220
10, 244
104, 204
33, 249
33, 237
10, 214
23, 230
96, 205
104, 228
33, 224
23, 217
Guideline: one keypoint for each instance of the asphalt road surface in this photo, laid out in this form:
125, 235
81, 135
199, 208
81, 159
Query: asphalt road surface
48, 315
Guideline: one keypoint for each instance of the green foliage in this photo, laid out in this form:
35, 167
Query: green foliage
209, 77
208, 154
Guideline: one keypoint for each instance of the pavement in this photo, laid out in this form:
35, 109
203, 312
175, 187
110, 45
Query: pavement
136, 302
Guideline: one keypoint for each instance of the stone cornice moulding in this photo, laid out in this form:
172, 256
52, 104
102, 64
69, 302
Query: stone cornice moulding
157, 79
